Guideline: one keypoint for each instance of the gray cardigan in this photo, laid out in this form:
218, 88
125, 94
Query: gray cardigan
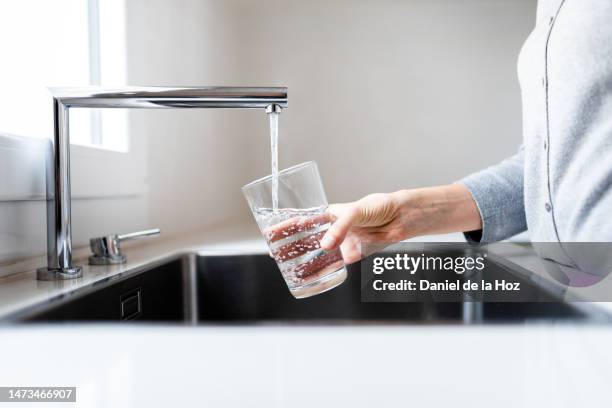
559, 184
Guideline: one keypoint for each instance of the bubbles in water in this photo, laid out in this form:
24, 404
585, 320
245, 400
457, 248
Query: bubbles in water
294, 236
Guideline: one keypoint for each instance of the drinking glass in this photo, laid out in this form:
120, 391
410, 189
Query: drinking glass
294, 229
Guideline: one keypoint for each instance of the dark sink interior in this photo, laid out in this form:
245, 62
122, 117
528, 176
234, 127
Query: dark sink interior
250, 289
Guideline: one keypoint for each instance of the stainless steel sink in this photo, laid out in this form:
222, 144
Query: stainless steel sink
201, 289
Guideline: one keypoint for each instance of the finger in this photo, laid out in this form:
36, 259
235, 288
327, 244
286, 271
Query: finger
338, 230
351, 250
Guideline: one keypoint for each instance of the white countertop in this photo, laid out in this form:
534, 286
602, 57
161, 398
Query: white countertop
148, 366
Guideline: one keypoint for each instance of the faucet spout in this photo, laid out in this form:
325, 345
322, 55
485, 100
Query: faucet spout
59, 235
171, 97
274, 108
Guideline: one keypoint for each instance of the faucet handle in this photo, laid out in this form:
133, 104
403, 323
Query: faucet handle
107, 250
139, 234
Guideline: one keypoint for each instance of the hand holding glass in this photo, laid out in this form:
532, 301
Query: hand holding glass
293, 231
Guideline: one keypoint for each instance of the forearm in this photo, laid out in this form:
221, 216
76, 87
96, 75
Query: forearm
437, 210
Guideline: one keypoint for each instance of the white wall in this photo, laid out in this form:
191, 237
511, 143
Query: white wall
383, 94
198, 159
391, 94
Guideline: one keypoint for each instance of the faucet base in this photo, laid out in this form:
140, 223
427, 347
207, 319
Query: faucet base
107, 260
47, 274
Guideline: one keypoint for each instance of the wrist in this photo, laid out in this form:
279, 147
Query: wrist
437, 210
415, 209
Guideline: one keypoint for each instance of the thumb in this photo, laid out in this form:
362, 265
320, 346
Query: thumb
339, 228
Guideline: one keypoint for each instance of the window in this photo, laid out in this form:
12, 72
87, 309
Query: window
62, 43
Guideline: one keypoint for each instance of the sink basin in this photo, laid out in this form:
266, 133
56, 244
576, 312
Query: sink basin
201, 289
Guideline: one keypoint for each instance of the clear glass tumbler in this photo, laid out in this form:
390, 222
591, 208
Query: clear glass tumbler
294, 230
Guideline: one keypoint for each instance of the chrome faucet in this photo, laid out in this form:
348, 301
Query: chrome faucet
59, 236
